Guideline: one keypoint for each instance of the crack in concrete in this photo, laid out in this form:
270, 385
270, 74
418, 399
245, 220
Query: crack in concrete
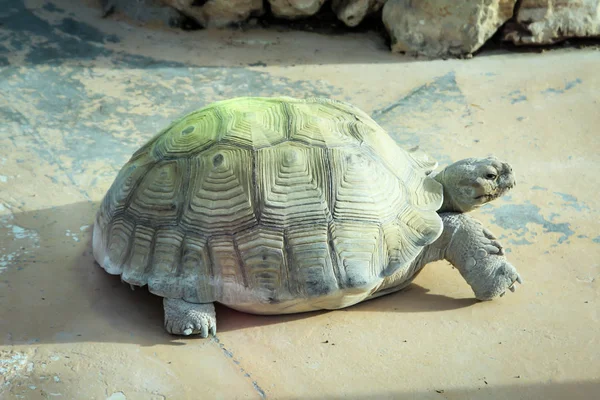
229, 355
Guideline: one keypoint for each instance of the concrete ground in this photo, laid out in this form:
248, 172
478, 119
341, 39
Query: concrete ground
78, 94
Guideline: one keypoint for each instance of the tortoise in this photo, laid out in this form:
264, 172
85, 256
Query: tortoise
283, 205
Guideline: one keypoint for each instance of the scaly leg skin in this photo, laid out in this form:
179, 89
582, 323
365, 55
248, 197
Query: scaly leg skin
479, 257
183, 318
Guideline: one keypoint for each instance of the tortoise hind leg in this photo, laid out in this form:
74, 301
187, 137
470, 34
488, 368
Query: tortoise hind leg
184, 318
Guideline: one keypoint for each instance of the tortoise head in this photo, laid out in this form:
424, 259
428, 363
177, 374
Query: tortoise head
472, 182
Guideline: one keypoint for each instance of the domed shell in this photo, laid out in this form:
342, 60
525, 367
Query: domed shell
267, 200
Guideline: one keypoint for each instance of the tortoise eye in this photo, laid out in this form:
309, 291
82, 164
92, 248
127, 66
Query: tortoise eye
491, 176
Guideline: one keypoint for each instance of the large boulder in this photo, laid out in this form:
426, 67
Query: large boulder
352, 12
293, 9
218, 13
551, 21
443, 28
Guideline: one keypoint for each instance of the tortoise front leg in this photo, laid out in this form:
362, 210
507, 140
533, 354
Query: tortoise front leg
476, 253
184, 318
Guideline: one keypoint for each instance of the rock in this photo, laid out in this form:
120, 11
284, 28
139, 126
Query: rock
292, 9
142, 11
441, 28
217, 13
551, 21
352, 12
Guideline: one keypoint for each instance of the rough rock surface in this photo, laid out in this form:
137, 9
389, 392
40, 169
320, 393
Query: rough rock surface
550, 21
292, 9
217, 13
440, 28
352, 12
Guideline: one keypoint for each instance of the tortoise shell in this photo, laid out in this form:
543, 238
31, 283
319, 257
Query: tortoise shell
265, 201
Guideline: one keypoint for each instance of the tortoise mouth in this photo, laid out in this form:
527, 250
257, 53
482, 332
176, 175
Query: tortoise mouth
492, 196
488, 197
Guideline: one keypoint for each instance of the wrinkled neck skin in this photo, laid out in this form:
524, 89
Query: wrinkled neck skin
449, 204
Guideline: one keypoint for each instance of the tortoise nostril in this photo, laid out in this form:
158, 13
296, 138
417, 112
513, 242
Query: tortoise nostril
507, 167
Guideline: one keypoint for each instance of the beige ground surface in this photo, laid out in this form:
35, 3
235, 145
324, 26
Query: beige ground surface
79, 94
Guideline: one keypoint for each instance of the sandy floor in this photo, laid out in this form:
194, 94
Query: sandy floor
78, 94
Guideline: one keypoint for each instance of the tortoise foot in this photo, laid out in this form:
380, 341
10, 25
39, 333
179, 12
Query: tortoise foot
503, 276
183, 318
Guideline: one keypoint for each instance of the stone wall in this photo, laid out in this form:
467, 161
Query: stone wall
433, 28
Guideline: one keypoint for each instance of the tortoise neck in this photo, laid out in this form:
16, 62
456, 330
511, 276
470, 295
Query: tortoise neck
448, 204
